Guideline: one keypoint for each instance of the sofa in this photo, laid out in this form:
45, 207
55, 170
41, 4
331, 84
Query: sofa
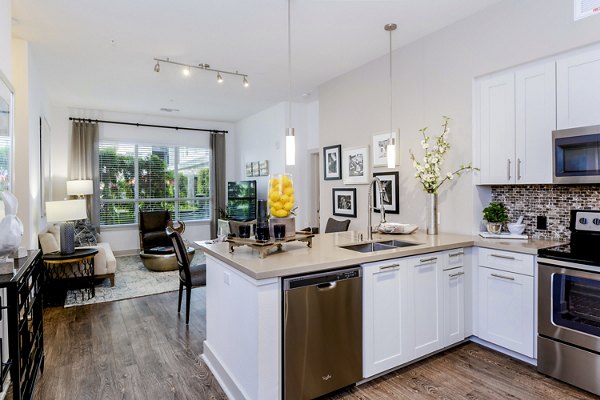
105, 263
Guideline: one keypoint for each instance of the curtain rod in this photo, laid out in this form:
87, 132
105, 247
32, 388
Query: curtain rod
177, 128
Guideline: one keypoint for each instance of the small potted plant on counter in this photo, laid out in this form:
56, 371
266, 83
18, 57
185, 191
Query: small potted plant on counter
495, 215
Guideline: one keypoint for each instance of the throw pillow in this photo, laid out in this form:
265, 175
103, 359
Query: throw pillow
85, 234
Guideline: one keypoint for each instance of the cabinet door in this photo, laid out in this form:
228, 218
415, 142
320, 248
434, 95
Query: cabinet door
497, 126
506, 310
535, 121
425, 274
578, 90
384, 320
454, 305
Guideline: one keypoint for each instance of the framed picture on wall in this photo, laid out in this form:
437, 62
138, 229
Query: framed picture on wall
389, 182
263, 168
249, 169
255, 168
332, 162
380, 143
344, 202
356, 166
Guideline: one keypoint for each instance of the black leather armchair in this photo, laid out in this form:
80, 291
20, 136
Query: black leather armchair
152, 225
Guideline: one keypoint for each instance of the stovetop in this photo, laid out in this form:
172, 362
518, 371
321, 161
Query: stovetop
585, 240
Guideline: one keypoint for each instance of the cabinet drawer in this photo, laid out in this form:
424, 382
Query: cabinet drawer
455, 259
518, 263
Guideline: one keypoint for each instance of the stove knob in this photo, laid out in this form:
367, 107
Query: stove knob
596, 221
583, 221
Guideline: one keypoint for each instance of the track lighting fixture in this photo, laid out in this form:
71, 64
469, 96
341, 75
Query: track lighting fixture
205, 67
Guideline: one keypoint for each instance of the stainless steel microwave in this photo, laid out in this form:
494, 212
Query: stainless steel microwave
576, 155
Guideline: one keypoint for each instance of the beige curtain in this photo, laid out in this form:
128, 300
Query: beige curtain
84, 162
218, 184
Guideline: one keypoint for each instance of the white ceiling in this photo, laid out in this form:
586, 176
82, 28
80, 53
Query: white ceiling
99, 54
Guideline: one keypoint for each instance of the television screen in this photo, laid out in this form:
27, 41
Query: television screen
241, 200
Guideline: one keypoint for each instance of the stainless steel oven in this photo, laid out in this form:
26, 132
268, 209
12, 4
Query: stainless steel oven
576, 155
569, 305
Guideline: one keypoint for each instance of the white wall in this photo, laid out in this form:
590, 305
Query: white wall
125, 239
5, 38
31, 105
262, 137
433, 77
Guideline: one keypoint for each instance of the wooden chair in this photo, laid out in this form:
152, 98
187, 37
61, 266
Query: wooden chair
333, 225
190, 276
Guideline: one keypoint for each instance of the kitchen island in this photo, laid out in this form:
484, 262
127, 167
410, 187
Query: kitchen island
243, 346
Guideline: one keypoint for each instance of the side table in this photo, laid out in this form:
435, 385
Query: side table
64, 271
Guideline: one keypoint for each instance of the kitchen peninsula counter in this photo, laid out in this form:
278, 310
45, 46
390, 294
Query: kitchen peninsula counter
327, 253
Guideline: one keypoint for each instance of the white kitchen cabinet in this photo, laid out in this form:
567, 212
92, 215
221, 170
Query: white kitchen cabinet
535, 117
385, 323
497, 129
515, 119
425, 302
506, 309
453, 283
578, 89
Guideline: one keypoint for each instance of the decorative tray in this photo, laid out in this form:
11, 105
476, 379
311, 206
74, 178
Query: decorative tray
264, 247
394, 228
507, 235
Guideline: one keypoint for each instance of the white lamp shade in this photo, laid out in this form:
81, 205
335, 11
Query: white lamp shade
290, 148
82, 187
65, 210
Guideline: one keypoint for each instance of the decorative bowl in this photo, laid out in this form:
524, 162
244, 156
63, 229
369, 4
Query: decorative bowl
396, 228
515, 228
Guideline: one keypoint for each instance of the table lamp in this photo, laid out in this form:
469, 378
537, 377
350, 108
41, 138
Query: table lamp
65, 211
80, 188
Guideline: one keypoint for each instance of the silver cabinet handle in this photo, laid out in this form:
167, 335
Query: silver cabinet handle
519, 169
391, 266
502, 256
427, 260
508, 169
456, 274
510, 278
458, 253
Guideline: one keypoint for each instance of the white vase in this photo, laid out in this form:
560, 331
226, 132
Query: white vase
432, 213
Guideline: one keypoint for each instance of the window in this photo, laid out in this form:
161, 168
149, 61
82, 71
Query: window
150, 178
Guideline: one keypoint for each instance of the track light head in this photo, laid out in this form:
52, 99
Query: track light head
157, 67
219, 78
246, 83
186, 71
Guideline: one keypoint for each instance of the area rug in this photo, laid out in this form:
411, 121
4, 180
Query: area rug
132, 279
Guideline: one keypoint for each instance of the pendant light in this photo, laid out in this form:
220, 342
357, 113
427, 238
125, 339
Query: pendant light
391, 147
290, 135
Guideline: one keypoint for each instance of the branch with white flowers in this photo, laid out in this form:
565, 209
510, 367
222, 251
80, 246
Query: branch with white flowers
428, 172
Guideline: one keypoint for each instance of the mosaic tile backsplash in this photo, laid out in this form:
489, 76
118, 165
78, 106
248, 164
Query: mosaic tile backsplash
553, 201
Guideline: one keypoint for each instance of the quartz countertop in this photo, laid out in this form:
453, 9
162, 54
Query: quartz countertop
326, 253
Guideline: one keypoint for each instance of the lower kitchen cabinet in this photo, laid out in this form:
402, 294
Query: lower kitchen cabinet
384, 316
412, 306
425, 295
453, 283
506, 309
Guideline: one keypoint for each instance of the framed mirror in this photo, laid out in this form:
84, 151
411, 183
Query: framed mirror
7, 106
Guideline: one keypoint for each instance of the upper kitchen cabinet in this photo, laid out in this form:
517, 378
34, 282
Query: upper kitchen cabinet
578, 89
515, 117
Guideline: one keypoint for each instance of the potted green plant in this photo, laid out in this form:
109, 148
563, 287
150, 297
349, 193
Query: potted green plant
495, 215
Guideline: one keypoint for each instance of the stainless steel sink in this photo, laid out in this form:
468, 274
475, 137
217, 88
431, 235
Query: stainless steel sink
377, 246
399, 243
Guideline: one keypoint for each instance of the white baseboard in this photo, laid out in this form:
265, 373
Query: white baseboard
503, 350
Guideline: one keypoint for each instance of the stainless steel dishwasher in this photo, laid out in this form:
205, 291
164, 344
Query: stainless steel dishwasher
322, 333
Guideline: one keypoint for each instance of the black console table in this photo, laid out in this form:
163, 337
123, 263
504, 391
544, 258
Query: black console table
25, 324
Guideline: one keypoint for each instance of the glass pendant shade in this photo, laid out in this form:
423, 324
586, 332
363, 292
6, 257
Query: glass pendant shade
290, 147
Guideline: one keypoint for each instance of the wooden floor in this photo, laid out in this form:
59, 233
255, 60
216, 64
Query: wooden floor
142, 349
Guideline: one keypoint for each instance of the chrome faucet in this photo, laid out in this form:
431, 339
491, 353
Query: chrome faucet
376, 181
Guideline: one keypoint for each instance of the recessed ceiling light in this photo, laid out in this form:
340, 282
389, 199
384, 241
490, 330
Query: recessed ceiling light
166, 109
